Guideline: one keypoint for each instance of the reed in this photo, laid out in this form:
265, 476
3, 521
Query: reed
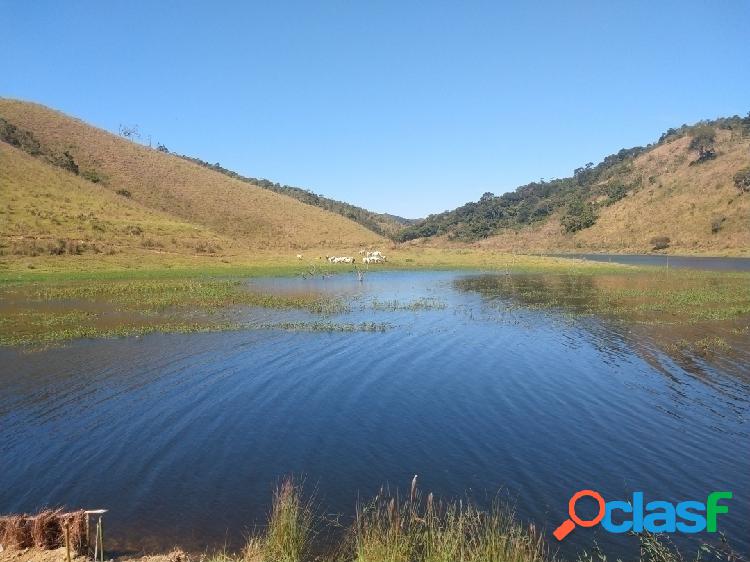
387, 529
16, 532
290, 531
45, 530
424, 530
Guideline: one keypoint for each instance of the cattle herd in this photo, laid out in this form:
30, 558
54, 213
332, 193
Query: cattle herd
368, 257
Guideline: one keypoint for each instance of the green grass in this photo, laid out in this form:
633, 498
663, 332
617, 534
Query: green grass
424, 303
327, 326
44, 313
421, 528
637, 295
49, 306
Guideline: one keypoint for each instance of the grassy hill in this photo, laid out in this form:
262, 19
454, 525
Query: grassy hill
64, 180
47, 210
383, 224
70, 189
688, 188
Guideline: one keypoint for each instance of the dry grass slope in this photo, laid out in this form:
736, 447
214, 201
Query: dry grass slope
251, 216
45, 211
676, 199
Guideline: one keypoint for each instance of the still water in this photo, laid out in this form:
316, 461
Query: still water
183, 436
691, 262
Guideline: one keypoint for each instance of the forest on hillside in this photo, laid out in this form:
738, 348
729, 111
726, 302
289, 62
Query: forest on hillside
578, 197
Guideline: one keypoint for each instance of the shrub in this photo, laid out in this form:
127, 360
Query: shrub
19, 138
206, 248
123, 192
63, 246
703, 138
660, 242
716, 224
615, 193
151, 243
579, 215
93, 176
742, 179
65, 161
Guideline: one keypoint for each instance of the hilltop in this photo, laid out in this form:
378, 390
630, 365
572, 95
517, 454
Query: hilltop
70, 189
687, 193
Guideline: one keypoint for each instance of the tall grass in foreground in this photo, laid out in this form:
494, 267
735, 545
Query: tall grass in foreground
426, 530
386, 529
423, 529
288, 537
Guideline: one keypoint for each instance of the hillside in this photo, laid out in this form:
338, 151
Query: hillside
383, 224
682, 188
49, 211
117, 180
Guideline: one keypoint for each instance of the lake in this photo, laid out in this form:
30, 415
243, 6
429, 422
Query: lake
183, 436
657, 260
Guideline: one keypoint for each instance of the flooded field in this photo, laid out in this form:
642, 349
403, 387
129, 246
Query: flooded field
531, 386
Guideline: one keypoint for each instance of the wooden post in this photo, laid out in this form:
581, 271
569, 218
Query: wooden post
98, 532
101, 538
67, 540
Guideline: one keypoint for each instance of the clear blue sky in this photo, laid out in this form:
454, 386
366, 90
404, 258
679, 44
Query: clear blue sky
406, 107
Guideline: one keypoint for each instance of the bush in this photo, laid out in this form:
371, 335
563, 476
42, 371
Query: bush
703, 138
63, 246
123, 192
660, 242
615, 193
742, 179
93, 176
151, 243
207, 248
716, 224
19, 138
65, 161
579, 215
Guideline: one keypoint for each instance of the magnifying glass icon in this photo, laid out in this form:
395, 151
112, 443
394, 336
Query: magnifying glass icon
569, 524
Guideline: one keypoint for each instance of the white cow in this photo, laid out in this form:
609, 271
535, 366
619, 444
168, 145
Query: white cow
299, 256
340, 259
374, 257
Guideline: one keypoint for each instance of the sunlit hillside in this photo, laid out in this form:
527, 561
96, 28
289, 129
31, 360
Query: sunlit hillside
49, 211
687, 193
698, 207
114, 174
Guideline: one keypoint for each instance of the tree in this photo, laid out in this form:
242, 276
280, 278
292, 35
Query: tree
703, 138
130, 133
579, 215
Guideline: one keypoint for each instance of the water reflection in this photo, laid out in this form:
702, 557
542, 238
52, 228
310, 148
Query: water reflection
182, 436
660, 334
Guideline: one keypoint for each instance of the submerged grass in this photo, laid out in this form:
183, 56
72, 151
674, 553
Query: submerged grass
49, 306
641, 296
327, 326
43, 313
424, 303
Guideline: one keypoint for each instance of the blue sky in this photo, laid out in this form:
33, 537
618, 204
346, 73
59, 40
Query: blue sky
405, 107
